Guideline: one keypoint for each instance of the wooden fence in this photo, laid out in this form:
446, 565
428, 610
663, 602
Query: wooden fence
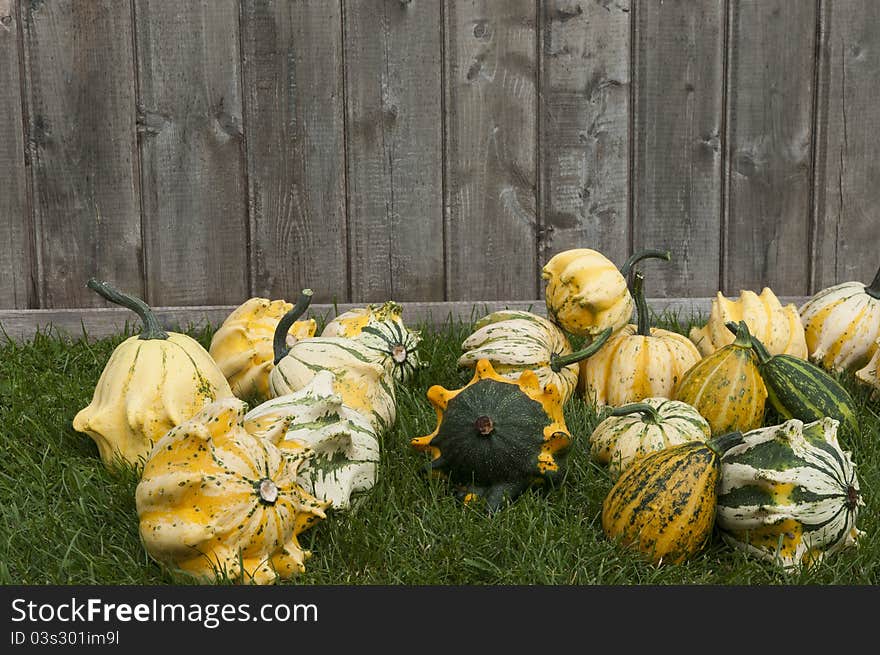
198, 153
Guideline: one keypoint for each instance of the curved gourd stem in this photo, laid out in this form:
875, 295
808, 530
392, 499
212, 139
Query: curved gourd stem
151, 328
279, 341
648, 412
873, 289
721, 443
643, 254
638, 294
558, 362
757, 345
743, 336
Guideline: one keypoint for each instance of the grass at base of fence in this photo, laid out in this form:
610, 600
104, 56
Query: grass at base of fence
65, 520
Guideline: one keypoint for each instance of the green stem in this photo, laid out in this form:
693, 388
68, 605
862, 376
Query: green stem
873, 289
721, 443
279, 342
757, 345
743, 336
558, 362
649, 412
638, 294
151, 329
640, 255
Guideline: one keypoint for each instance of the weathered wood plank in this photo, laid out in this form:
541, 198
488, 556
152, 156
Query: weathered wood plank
679, 80
395, 126
584, 133
81, 91
17, 260
490, 153
847, 210
294, 121
192, 151
770, 89
21, 325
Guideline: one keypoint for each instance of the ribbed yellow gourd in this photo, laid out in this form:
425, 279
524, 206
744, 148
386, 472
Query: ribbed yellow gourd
586, 293
842, 324
242, 345
151, 383
638, 361
219, 503
778, 328
726, 387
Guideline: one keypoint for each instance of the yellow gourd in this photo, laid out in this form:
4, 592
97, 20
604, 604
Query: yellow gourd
242, 345
151, 383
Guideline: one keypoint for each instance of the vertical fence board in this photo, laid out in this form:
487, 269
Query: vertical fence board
770, 89
847, 235
491, 251
17, 263
192, 152
81, 127
394, 149
584, 138
294, 103
678, 77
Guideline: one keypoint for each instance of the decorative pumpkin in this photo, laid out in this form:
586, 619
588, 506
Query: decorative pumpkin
363, 383
726, 387
638, 362
216, 501
870, 374
842, 324
381, 328
341, 449
586, 293
517, 341
497, 437
779, 328
663, 504
637, 429
151, 383
242, 345
798, 389
789, 494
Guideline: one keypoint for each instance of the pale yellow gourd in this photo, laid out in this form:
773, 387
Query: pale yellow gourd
870, 374
152, 382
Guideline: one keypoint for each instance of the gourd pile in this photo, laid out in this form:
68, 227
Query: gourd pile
242, 447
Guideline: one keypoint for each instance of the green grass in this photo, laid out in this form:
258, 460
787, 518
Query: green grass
65, 520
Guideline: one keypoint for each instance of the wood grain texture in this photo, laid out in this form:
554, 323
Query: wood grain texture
847, 210
395, 127
584, 136
17, 261
192, 152
679, 79
294, 122
490, 150
81, 92
770, 88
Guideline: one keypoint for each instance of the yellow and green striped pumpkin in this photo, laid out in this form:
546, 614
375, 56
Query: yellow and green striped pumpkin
516, 341
636, 429
789, 494
726, 387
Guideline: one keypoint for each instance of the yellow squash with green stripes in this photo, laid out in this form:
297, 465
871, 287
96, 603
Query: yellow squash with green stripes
516, 341
496, 437
726, 387
242, 345
663, 504
220, 503
152, 382
789, 494
842, 324
586, 293
638, 362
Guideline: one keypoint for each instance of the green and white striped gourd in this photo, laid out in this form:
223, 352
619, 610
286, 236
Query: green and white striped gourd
341, 449
382, 330
515, 341
789, 494
363, 383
